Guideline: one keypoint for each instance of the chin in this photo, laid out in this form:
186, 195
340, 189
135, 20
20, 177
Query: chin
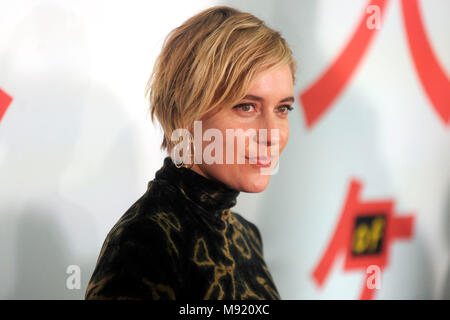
256, 183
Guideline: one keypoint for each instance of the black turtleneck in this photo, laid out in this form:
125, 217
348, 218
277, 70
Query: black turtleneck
181, 240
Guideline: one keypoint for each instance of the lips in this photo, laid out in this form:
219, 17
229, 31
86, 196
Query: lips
260, 161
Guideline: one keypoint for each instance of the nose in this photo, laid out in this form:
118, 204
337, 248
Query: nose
268, 132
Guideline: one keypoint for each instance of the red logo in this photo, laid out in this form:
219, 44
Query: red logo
5, 101
318, 98
364, 233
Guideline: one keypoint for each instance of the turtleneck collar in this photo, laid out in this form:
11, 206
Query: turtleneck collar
211, 195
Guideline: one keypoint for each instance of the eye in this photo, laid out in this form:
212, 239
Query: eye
285, 109
246, 107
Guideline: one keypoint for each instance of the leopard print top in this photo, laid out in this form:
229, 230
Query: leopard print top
180, 240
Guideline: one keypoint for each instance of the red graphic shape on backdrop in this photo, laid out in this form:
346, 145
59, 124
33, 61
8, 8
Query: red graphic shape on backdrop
343, 240
5, 101
317, 99
431, 74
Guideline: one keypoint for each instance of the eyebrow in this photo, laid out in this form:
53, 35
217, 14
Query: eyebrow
256, 98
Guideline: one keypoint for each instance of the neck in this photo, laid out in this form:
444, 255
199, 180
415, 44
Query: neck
197, 169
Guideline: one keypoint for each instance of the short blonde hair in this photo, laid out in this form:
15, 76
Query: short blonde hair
209, 62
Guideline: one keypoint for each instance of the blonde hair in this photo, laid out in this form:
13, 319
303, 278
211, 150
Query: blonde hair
209, 62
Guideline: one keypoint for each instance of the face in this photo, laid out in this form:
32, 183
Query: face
264, 109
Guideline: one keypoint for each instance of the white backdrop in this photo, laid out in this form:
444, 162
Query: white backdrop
77, 146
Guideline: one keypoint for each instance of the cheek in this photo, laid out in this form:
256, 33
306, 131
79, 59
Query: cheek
284, 136
230, 145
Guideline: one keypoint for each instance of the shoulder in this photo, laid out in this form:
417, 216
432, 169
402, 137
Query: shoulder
148, 219
250, 227
139, 257
151, 223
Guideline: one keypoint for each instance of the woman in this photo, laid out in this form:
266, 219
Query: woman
231, 72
